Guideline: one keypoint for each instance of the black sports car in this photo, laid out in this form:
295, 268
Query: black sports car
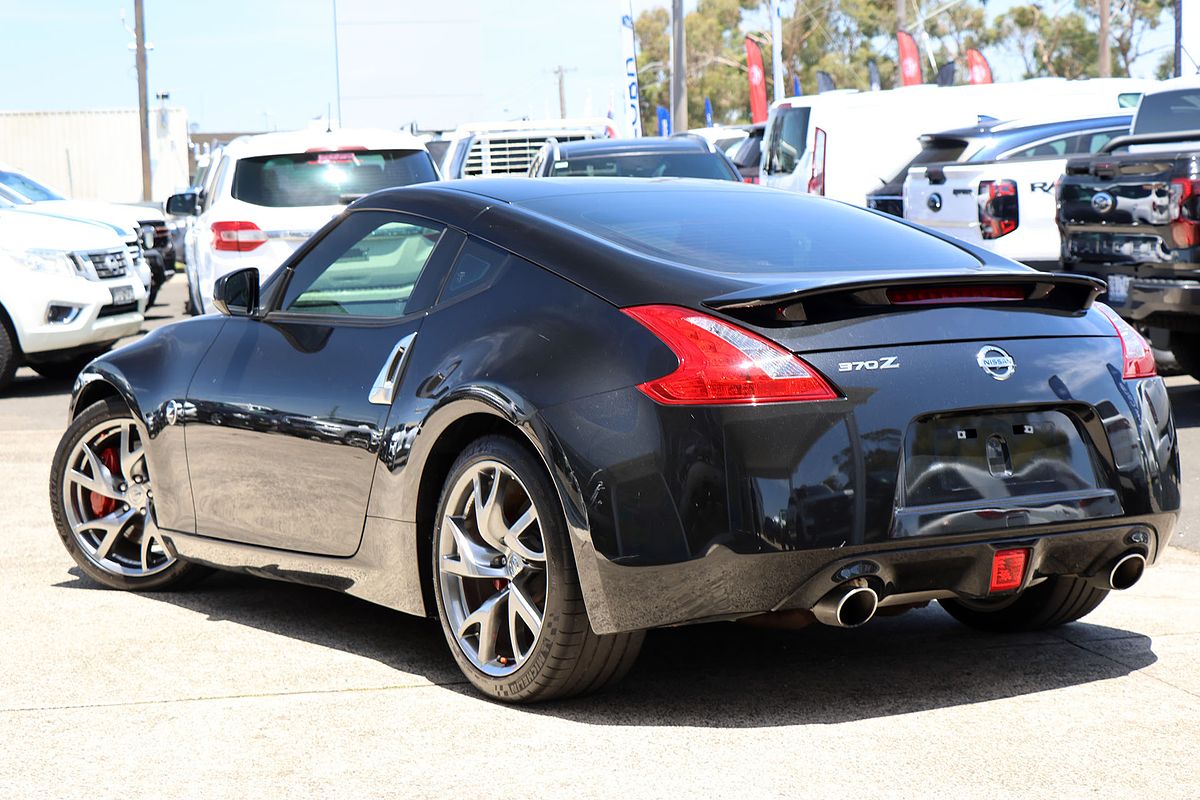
557, 413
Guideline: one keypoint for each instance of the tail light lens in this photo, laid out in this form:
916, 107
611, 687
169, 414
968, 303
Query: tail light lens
1136, 353
750, 179
241, 237
997, 208
1185, 229
723, 364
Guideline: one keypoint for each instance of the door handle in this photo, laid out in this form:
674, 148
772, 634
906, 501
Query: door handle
384, 388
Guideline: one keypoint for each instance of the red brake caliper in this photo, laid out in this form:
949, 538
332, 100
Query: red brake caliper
101, 505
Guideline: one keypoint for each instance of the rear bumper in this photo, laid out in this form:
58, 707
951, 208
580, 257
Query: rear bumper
1160, 302
727, 585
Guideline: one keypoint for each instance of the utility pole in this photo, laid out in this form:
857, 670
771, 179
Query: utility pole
139, 29
561, 72
1178, 38
679, 113
901, 16
776, 49
1105, 53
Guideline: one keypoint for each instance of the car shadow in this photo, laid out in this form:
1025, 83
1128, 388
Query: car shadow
722, 675
1185, 404
34, 385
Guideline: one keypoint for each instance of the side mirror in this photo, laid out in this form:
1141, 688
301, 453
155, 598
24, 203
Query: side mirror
182, 205
236, 294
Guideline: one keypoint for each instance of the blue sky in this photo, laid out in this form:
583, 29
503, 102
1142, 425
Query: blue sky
258, 64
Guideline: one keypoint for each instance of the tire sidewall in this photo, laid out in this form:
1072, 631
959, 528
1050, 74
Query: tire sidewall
557, 621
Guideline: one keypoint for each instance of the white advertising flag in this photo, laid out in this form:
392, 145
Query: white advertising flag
630, 97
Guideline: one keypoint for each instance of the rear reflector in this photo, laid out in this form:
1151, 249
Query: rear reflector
1136, 355
723, 364
1008, 570
237, 236
934, 295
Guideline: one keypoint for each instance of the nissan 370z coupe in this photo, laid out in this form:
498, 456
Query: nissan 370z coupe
557, 413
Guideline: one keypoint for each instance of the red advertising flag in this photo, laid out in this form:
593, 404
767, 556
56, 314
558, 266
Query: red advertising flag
758, 83
910, 59
978, 67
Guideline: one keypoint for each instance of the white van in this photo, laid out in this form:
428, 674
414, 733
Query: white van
845, 144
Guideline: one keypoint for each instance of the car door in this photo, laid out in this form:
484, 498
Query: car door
286, 410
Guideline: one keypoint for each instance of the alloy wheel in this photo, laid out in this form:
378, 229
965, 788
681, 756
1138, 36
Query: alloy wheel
492, 568
107, 495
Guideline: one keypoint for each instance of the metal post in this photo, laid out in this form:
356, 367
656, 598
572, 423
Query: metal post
679, 112
139, 25
1178, 38
777, 50
1105, 65
337, 66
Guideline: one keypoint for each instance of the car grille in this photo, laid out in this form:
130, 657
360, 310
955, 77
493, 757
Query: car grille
110, 263
506, 155
113, 309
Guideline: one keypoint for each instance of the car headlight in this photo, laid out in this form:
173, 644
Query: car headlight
146, 233
52, 262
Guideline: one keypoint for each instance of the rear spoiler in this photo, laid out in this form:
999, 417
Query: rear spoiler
1149, 138
828, 297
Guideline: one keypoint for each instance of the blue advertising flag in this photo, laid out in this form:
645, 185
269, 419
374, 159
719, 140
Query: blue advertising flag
796, 91
707, 113
664, 122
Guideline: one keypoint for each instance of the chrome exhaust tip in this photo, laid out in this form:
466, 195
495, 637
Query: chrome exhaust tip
1126, 571
847, 607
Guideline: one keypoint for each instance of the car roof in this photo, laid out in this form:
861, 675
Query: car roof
642, 145
1019, 128
287, 142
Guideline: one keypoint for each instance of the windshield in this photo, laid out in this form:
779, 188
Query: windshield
646, 165
1169, 111
27, 187
752, 231
327, 178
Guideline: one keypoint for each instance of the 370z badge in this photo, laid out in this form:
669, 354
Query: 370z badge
887, 362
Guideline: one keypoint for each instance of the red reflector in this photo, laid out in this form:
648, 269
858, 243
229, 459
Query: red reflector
1008, 570
927, 295
722, 364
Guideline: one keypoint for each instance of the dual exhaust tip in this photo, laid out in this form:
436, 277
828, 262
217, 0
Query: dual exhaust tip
849, 606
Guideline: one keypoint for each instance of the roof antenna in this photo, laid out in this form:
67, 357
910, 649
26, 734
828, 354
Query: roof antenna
328, 119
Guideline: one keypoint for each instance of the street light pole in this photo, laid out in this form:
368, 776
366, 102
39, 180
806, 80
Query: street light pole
139, 28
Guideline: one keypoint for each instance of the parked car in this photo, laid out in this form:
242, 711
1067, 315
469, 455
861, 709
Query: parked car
748, 155
554, 414
146, 221
845, 144
1131, 215
272, 191
687, 156
68, 292
726, 138
490, 149
1000, 194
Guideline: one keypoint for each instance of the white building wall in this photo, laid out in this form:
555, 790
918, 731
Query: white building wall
96, 155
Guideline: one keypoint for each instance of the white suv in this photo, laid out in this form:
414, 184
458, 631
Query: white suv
68, 291
271, 192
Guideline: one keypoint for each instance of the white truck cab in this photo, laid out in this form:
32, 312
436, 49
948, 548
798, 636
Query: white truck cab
68, 292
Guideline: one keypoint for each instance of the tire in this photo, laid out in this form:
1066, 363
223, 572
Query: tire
62, 370
152, 297
566, 658
1186, 347
1056, 601
9, 356
127, 561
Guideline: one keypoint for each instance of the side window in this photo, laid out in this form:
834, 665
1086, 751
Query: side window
1051, 149
367, 266
788, 140
477, 266
1091, 142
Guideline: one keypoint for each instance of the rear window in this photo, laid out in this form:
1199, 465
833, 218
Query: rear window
1169, 111
327, 178
645, 165
753, 232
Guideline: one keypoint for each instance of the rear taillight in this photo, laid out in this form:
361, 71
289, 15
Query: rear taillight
997, 208
723, 364
750, 179
944, 295
1185, 229
240, 237
1136, 354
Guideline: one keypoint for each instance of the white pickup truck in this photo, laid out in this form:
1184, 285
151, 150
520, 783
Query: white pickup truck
67, 292
1000, 193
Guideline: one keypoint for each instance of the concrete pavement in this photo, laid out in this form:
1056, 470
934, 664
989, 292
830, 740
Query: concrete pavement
247, 688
